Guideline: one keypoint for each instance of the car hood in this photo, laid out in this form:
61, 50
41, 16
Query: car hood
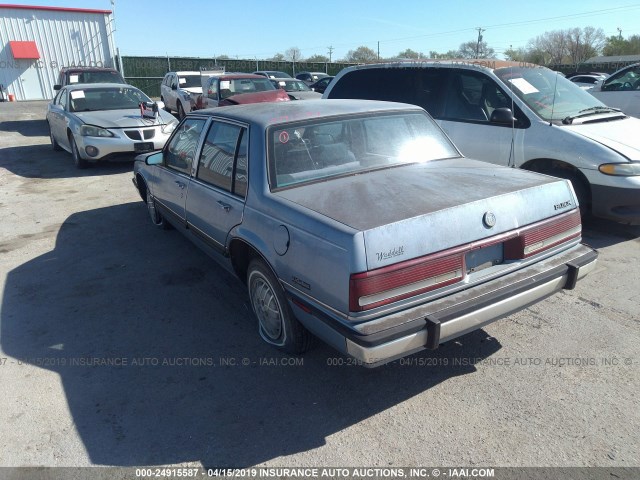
257, 97
192, 89
450, 197
122, 118
619, 135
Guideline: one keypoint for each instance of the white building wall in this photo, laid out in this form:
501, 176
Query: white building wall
64, 37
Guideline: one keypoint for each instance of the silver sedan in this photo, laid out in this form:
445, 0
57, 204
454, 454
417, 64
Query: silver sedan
106, 122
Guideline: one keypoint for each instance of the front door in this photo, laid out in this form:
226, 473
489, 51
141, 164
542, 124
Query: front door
172, 182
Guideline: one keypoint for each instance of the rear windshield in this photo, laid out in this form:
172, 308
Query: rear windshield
237, 86
318, 150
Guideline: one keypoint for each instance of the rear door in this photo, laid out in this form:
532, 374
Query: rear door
216, 197
172, 181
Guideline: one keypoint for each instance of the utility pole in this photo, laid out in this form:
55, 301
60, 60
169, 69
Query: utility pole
330, 52
480, 30
378, 51
619, 33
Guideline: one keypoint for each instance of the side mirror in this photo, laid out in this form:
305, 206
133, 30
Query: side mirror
57, 87
153, 158
502, 116
174, 86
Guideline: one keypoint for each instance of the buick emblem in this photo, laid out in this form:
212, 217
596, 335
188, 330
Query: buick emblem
489, 219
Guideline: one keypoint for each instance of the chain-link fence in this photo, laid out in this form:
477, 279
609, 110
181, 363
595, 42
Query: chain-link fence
147, 73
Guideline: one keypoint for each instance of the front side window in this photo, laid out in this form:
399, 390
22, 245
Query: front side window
625, 80
181, 149
319, 150
473, 96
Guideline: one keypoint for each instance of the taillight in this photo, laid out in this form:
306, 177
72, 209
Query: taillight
389, 284
544, 235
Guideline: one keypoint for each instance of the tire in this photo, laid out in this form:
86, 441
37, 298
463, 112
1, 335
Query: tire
583, 192
181, 113
276, 324
54, 143
156, 217
78, 161
166, 107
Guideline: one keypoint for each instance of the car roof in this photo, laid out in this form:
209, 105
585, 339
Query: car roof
488, 63
239, 76
274, 113
183, 72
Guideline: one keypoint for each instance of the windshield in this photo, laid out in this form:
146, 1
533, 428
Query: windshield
95, 77
108, 98
189, 81
237, 86
535, 86
318, 150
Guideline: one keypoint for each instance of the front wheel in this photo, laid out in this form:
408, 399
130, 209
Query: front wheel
156, 217
276, 324
580, 187
78, 161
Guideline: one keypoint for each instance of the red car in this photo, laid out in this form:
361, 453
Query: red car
239, 88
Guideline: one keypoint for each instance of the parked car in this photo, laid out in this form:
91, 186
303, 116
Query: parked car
621, 90
519, 115
272, 74
310, 77
361, 223
238, 88
99, 122
179, 91
296, 89
73, 75
586, 81
321, 85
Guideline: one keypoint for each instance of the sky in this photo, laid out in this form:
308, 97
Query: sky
250, 29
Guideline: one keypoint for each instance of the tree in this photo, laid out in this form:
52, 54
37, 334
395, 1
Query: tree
408, 53
584, 43
619, 46
278, 57
473, 49
317, 59
293, 54
361, 55
223, 57
444, 56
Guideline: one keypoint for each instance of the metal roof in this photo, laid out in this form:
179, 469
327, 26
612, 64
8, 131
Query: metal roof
55, 9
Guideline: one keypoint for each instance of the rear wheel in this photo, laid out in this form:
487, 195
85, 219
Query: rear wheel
166, 107
276, 324
78, 161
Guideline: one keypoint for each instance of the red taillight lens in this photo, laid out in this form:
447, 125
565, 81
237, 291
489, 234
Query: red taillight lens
544, 235
388, 284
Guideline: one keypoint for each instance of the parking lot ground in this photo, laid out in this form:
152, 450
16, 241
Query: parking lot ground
124, 345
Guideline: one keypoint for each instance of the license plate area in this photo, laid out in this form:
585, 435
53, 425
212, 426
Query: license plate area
141, 147
486, 257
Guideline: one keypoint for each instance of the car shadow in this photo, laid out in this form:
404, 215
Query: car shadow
41, 161
26, 128
600, 233
160, 359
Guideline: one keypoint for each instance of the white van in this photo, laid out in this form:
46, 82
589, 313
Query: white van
520, 115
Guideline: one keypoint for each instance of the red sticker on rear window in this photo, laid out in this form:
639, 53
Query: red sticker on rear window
284, 137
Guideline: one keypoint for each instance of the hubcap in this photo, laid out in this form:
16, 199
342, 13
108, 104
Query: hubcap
266, 308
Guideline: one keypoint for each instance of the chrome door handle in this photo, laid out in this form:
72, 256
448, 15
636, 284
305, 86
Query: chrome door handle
226, 207
180, 184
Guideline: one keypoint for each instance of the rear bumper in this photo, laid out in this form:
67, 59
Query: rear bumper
428, 325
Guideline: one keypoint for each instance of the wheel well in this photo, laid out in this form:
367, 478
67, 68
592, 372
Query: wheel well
241, 254
142, 187
561, 169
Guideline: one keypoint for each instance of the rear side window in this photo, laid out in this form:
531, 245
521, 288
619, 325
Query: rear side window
424, 87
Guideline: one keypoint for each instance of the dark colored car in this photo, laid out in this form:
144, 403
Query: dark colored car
310, 77
73, 75
321, 85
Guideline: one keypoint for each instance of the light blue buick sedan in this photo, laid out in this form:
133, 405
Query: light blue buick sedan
360, 223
